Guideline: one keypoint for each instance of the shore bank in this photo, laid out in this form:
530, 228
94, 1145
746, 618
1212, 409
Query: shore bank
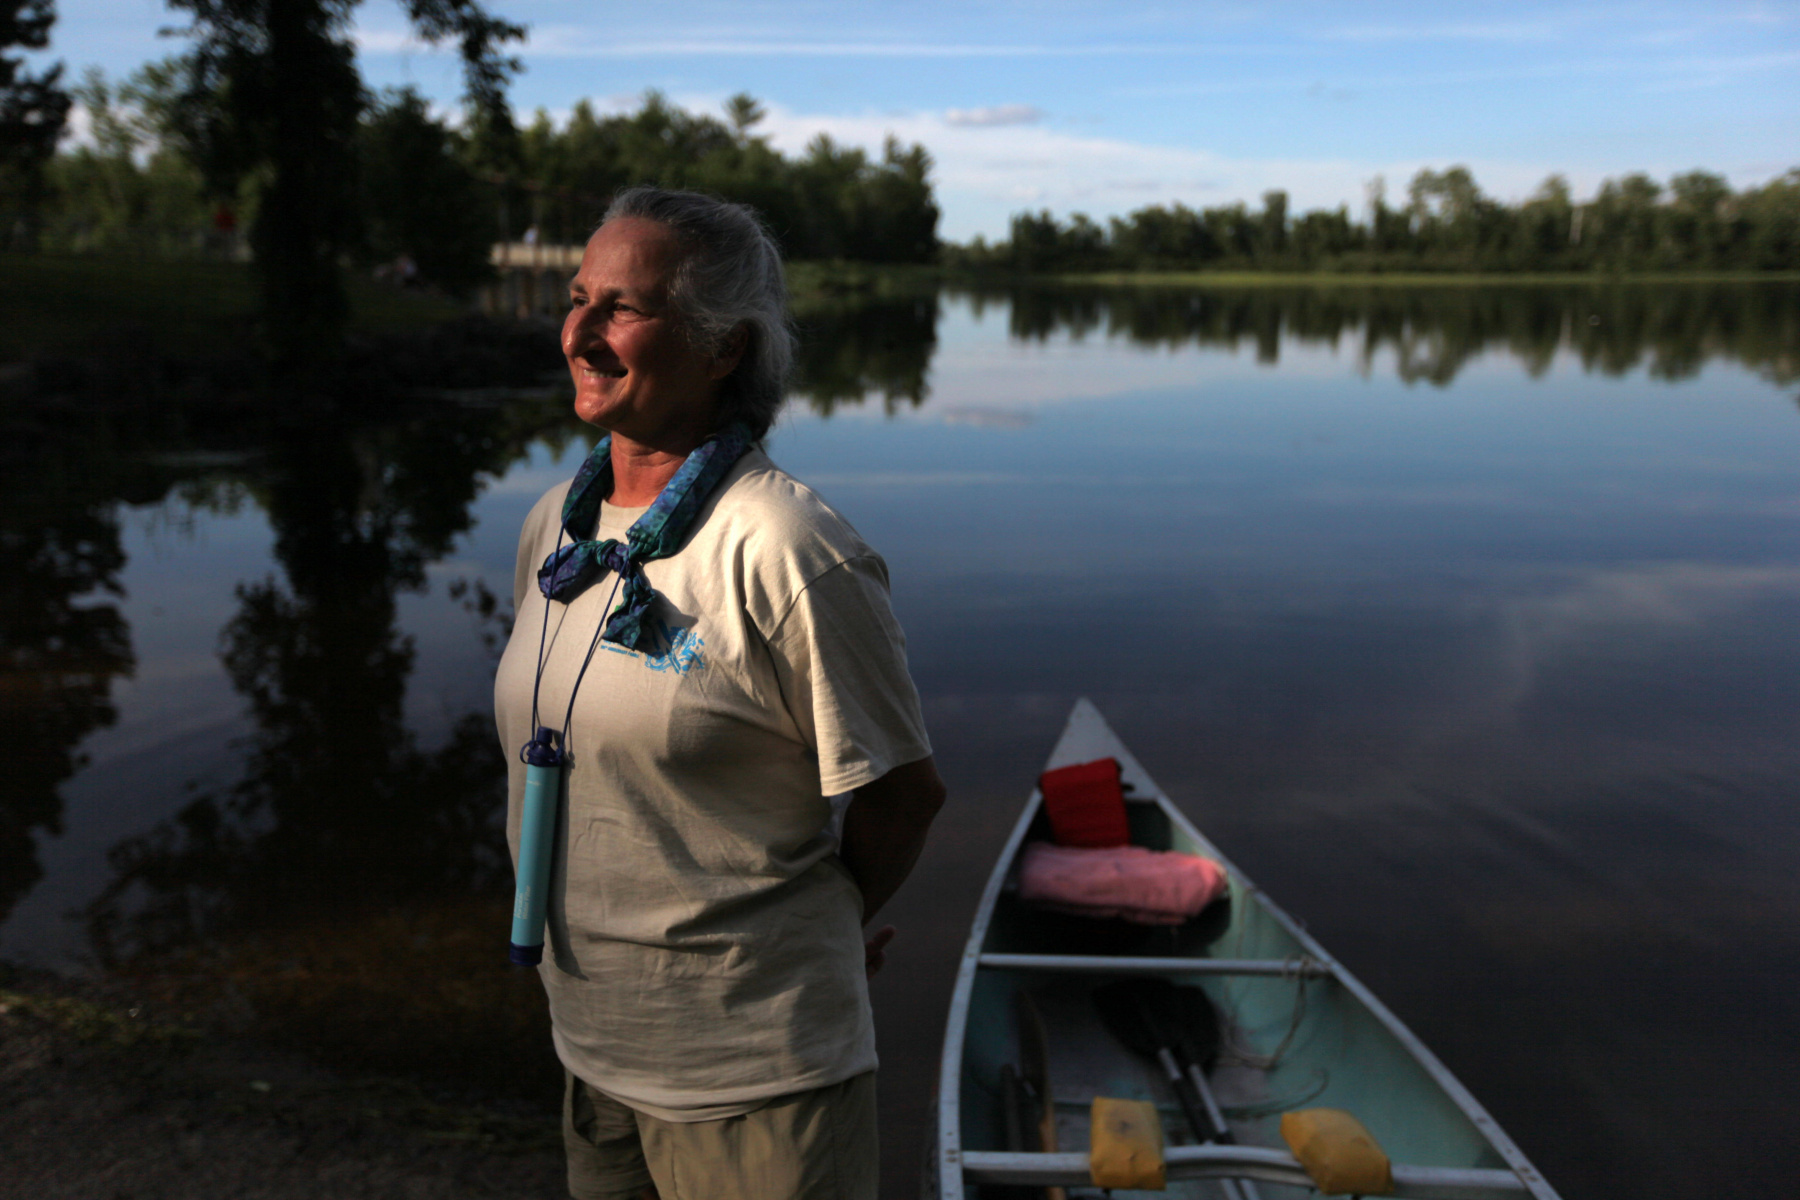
108, 1089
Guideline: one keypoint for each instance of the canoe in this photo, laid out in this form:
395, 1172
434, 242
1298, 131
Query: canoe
1298, 1032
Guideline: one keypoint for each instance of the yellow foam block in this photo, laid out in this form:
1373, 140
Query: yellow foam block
1341, 1156
1126, 1145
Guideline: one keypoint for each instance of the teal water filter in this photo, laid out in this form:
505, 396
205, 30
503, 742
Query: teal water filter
537, 837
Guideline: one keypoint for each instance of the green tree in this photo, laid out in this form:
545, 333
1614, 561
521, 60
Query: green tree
420, 202
1696, 223
133, 188
1545, 227
1274, 231
1770, 216
1624, 222
32, 111
272, 93
745, 114
835, 201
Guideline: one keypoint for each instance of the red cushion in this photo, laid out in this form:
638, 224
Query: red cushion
1085, 804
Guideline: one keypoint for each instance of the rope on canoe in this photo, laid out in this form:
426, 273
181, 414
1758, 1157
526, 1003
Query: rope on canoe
1268, 1062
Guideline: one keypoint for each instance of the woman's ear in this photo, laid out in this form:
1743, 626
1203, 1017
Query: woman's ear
731, 353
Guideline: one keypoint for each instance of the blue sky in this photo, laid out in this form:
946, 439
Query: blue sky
1106, 107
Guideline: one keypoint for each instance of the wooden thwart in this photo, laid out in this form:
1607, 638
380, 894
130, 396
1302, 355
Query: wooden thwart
1110, 964
1240, 1162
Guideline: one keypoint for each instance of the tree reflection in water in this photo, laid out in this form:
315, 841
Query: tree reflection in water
1433, 332
343, 884
63, 639
856, 347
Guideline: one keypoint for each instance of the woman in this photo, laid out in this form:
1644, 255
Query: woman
716, 649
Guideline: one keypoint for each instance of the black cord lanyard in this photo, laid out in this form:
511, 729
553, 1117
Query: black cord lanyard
547, 740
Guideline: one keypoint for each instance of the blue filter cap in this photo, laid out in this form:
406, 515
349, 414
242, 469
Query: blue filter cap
541, 750
525, 956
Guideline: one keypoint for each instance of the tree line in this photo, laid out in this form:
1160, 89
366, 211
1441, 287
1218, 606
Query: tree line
262, 136
832, 202
1447, 223
436, 197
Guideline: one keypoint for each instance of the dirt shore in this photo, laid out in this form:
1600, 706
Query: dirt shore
107, 1094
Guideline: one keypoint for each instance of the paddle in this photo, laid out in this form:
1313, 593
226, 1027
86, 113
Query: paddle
1179, 1029
1034, 1059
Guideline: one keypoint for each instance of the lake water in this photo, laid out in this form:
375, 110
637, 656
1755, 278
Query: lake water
1466, 620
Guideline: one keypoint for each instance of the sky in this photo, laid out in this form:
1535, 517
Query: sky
1106, 107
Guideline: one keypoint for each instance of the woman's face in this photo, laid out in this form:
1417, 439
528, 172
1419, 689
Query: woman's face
635, 373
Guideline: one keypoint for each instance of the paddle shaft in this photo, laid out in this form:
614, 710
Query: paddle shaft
1234, 1188
1190, 1090
1148, 1017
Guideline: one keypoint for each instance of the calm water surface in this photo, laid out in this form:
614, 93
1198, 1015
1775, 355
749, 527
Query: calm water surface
1467, 621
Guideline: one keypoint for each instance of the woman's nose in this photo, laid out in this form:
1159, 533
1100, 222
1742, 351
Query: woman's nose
583, 329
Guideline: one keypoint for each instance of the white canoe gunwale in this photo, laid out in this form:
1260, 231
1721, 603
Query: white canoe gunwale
1087, 737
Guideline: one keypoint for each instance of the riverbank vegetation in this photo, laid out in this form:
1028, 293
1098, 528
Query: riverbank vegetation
1695, 223
431, 197
55, 305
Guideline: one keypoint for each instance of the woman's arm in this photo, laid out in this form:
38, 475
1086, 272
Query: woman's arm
885, 827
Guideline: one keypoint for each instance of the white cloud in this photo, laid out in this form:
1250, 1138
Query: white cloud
1512, 31
78, 129
570, 41
1000, 114
985, 173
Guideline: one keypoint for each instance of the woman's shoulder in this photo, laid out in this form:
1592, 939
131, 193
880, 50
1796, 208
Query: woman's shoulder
768, 507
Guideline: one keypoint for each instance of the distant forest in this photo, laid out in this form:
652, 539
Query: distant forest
435, 196
438, 197
1446, 224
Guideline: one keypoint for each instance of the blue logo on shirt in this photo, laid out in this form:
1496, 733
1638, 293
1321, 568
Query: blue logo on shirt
679, 649
683, 653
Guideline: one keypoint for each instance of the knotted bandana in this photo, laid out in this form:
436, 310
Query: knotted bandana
657, 534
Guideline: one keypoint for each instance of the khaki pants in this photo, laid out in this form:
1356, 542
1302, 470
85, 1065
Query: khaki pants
816, 1145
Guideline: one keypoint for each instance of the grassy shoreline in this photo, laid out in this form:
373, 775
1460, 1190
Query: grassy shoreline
66, 304
808, 280
1316, 279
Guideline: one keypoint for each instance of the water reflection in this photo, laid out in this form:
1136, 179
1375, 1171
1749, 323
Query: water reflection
856, 347
345, 845
63, 639
1434, 332
1414, 645
338, 807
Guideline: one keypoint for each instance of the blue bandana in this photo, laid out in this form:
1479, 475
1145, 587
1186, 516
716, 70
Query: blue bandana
657, 534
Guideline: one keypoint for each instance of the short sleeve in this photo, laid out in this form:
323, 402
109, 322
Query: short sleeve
840, 658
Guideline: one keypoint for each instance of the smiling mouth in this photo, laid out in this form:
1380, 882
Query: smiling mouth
605, 372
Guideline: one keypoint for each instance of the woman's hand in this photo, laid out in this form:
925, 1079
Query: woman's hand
875, 949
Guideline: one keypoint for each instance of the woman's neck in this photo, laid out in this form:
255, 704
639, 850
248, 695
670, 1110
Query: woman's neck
641, 472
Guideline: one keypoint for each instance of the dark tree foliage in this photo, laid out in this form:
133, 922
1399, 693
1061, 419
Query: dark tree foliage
1448, 224
834, 202
273, 92
420, 203
32, 111
400, 189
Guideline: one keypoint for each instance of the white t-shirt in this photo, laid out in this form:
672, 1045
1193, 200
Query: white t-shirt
704, 946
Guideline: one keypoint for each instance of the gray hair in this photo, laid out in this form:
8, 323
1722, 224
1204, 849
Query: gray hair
730, 278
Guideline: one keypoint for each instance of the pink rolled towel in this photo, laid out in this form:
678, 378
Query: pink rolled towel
1151, 887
